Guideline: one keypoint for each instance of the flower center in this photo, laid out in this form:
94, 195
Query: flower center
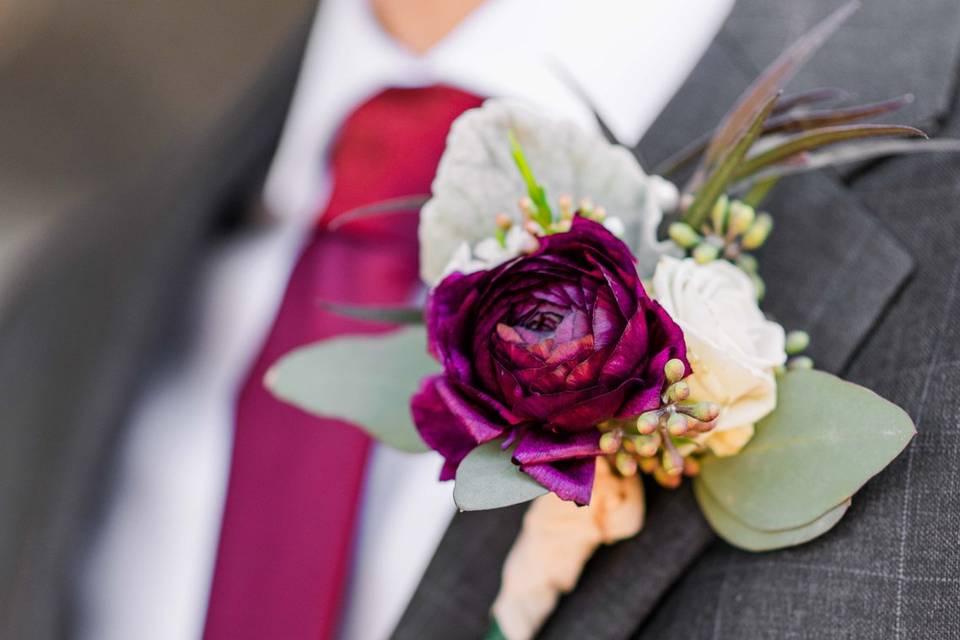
540, 320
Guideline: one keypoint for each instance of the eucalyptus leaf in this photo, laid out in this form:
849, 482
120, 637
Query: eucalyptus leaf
379, 208
824, 440
365, 380
488, 479
742, 536
390, 315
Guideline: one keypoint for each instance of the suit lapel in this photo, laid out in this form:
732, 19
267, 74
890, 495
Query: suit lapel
454, 596
832, 268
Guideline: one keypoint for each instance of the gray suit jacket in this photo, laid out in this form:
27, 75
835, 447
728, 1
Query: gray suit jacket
866, 260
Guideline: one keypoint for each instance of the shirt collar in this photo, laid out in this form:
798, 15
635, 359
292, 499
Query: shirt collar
628, 57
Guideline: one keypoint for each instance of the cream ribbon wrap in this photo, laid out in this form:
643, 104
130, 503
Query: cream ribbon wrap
555, 542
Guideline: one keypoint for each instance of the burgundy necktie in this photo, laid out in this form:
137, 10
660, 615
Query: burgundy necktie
295, 480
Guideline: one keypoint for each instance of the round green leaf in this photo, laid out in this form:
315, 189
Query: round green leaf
366, 380
740, 535
487, 479
825, 439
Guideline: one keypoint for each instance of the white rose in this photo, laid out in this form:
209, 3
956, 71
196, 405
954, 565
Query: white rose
732, 347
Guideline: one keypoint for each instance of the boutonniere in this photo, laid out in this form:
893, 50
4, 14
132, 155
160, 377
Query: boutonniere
587, 323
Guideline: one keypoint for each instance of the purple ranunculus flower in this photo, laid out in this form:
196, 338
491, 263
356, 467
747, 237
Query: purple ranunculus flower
541, 349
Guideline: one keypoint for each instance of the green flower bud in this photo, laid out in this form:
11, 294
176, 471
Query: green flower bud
626, 464
702, 411
718, 215
647, 446
706, 252
703, 427
747, 262
610, 441
800, 362
742, 216
678, 391
678, 424
672, 464
647, 422
649, 465
758, 232
674, 370
666, 480
685, 445
797, 342
683, 234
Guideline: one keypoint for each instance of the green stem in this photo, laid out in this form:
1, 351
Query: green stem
494, 632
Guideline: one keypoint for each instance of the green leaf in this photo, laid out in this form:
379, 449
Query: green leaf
824, 440
544, 216
759, 190
494, 632
487, 479
390, 315
783, 118
772, 80
804, 99
818, 138
740, 535
718, 179
379, 208
366, 380
856, 151
806, 120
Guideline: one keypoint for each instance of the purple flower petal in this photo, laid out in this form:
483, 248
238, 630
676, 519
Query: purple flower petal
570, 479
540, 446
542, 349
448, 423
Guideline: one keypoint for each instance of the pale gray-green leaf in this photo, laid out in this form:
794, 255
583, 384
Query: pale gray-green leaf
824, 440
366, 380
477, 178
740, 535
487, 479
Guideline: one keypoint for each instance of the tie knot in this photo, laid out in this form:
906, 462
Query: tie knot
390, 145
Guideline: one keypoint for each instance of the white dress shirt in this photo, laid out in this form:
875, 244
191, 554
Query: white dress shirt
149, 570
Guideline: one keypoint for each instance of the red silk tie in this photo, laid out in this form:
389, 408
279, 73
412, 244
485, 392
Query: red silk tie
295, 480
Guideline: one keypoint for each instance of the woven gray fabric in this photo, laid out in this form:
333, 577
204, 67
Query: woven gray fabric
891, 568
839, 264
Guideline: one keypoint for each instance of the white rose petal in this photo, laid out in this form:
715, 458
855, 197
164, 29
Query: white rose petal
477, 179
733, 348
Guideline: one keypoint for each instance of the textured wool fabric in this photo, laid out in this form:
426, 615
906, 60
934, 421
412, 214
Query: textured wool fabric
866, 259
891, 568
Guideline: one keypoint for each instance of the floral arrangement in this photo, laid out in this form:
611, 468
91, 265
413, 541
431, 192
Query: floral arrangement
587, 324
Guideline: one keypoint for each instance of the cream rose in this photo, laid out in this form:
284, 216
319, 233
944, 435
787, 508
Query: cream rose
732, 347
